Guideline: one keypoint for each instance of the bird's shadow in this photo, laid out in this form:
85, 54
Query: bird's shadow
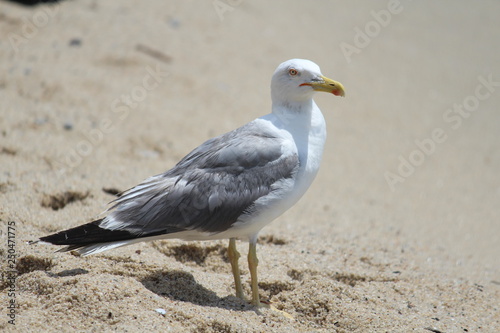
178, 286
181, 286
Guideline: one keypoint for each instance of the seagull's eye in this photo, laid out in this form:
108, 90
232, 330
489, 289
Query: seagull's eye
292, 71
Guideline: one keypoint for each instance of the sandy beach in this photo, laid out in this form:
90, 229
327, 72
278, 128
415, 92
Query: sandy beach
400, 231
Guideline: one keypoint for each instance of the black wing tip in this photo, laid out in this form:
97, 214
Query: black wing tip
86, 234
92, 233
76, 235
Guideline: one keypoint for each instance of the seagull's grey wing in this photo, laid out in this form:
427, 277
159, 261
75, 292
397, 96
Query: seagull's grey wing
209, 189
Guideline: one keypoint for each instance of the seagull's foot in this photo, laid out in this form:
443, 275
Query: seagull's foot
243, 298
269, 305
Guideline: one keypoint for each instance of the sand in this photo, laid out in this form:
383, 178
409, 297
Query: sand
400, 231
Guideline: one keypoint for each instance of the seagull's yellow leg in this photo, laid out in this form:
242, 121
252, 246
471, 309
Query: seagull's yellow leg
252, 265
234, 255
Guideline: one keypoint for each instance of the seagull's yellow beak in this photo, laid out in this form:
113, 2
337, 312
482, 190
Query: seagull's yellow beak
327, 85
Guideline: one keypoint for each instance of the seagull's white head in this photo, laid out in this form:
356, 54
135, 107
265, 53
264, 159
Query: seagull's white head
297, 80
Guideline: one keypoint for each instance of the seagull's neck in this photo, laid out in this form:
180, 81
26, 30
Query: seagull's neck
302, 119
294, 114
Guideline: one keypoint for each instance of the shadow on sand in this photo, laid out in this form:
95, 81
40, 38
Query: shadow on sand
181, 286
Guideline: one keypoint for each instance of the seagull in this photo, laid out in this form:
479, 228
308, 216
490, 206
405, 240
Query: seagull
231, 186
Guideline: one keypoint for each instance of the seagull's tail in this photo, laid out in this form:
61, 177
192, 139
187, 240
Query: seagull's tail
91, 238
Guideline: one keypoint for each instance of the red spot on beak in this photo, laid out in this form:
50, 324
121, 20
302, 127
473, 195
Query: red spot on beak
336, 92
